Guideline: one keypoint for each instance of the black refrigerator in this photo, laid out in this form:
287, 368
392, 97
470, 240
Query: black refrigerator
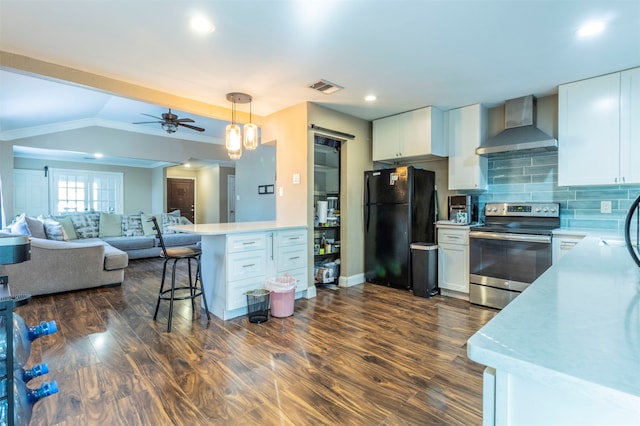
399, 209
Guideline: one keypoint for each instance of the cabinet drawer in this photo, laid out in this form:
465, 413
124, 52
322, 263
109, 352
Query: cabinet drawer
245, 242
302, 277
292, 257
293, 237
453, 236
246, 264
236, 290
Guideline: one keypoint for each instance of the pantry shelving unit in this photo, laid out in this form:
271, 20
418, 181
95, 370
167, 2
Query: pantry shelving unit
326, 173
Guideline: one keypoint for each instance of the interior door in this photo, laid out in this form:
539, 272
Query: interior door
231, 198
181, 196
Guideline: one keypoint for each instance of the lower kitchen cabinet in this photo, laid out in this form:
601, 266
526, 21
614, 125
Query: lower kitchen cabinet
236, 263
563, 243
453, 261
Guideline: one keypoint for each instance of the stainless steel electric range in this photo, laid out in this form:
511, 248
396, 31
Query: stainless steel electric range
510, 250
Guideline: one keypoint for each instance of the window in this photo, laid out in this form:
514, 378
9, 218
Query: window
83, 190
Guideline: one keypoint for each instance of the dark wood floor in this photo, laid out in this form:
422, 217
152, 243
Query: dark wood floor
364, 355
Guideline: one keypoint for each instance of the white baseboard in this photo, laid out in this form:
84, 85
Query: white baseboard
455, 294
351, 281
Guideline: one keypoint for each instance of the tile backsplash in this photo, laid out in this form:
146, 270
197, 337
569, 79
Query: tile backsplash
534, 177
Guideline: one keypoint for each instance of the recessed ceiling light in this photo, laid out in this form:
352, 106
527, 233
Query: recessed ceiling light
201, 25
98, 155
591, 28
187, 165
370, 98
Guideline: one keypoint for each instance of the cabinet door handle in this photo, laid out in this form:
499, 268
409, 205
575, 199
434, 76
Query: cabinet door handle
249, 265
293, 238
248, 243
294, 258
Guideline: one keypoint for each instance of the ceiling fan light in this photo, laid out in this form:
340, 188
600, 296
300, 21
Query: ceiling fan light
169, 127
233, 138
250, 136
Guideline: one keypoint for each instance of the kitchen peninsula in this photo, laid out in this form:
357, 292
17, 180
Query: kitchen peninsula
240, 256
567, 350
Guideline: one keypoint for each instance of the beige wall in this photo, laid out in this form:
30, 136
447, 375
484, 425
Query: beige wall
287, 129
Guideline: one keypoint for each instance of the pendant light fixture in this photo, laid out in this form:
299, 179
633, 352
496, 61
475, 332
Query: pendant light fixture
234, 139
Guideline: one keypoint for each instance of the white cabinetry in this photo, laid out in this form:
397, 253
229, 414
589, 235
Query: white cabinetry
234, 263
453, 261
291, 256
467, 129
246, 266
563, 243
412, 134
597, 127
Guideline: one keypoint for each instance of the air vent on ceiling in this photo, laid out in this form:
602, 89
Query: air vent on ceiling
325, 87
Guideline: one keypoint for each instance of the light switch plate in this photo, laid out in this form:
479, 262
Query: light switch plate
605, 206
296, 178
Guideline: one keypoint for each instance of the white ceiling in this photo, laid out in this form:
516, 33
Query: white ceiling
410, 53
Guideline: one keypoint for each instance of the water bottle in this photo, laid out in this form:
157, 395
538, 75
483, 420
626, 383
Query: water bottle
24, 398
23, 335
24, 375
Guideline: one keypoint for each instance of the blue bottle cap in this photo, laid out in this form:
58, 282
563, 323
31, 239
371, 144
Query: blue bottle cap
44, 368
52, 327
51, 387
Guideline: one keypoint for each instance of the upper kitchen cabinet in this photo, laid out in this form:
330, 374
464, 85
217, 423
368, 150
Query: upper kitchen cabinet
467, 129
412, 134
598, 139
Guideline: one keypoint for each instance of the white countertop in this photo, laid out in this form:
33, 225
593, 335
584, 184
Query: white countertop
578, 325
453, 224
233, 228
601, 233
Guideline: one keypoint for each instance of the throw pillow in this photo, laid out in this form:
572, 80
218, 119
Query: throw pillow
132, 225
19, 226
36, 227
87, 225
67, 228
168, 220
175, 213
110, 225
147, 227
53, 229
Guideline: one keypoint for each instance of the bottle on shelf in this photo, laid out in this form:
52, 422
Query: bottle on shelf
23, 335
24, 399
323, 243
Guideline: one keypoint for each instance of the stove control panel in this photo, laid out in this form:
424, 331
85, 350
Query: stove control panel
523, 209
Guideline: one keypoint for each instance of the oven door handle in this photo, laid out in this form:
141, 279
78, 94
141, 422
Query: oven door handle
545, 239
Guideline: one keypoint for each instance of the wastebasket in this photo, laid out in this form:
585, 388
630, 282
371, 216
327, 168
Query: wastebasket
258, 305
283, 295
424, 269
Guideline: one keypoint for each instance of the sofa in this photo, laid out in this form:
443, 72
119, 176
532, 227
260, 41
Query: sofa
87, 250
59, 266
131, 233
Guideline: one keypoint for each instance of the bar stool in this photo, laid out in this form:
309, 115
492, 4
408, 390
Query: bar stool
178, 253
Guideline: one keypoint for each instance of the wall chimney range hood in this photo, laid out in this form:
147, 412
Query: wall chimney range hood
521, 133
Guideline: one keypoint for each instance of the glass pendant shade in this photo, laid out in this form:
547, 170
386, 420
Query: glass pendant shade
233, 140
236, 154
250, 136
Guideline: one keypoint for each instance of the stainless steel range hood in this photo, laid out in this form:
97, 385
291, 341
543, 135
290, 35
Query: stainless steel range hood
521, 133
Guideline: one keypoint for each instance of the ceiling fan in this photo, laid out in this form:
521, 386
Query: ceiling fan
170, 122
